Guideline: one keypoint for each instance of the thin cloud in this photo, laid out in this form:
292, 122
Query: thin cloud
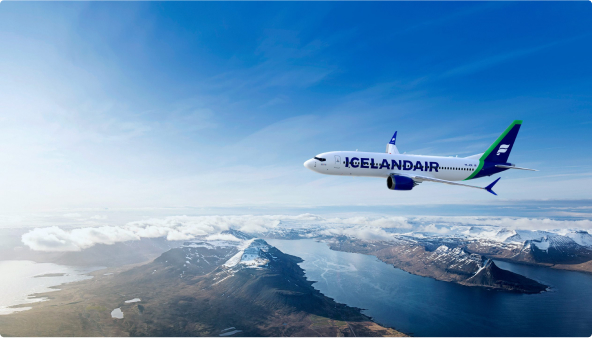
465, 138
488, 62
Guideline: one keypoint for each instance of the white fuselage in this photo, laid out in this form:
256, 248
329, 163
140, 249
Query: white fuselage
354, 163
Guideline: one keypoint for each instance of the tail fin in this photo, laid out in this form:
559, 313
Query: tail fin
391, 148
500, 150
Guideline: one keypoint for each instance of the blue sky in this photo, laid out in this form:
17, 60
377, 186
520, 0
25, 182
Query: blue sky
147, 105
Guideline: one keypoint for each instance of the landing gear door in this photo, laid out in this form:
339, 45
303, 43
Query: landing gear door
337, 162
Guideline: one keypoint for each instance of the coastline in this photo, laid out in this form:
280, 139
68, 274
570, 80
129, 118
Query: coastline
85, 306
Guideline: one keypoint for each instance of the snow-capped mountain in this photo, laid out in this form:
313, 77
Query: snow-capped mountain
554, 241
206, 287
198, 257
582, 237
253, 253
529, 246
456, 259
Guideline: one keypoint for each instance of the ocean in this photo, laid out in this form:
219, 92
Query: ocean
20, 280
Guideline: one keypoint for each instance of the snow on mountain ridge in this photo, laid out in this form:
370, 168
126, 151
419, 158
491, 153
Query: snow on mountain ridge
581, 237
543, 240
555, 241
457, 257
250, 254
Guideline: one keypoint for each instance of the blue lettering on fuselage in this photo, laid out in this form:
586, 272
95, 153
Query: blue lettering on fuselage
417, 166
434, 166
372, 164
355, 162
395, 164
364, 163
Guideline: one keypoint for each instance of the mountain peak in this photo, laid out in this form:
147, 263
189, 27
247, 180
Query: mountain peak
490, 275
253, 253
582, 237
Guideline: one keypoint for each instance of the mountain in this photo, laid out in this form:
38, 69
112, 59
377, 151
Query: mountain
553, 249
564, 249
203, 288
581, 237
543, 248
450, 264
492, 276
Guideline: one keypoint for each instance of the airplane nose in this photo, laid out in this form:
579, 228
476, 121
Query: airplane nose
308, 164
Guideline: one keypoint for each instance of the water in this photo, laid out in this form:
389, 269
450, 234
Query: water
117, 313
423, 306
18, 282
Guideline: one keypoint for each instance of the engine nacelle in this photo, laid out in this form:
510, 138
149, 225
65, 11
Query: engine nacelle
395, 182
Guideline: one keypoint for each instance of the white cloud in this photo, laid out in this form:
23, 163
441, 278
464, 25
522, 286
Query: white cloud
433, 229
56, 239
189, 227
223, 237
173, 228
380, 222
365, 233
523, 223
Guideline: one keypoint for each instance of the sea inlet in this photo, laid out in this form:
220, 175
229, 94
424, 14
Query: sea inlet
422, 306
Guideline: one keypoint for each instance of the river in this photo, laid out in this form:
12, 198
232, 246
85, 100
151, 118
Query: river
422, 306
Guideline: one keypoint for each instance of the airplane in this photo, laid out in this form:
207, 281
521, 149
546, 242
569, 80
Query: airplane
405, 171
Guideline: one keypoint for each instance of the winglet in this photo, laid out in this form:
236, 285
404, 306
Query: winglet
488, 188
393, 139
391, 148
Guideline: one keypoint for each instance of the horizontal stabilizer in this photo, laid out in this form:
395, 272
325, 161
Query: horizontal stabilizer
512, 167
488, 188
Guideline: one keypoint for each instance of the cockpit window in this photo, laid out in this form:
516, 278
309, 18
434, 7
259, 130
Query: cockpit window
320, 159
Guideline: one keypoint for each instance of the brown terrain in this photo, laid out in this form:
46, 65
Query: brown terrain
188, 291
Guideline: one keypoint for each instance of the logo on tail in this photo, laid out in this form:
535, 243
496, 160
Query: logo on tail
502, 149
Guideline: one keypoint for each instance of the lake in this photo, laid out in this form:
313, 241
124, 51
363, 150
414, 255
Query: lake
422, 306
20, 279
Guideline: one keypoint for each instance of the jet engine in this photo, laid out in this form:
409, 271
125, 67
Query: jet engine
396, 182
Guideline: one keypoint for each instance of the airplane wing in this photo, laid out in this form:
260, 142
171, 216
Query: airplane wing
419, 179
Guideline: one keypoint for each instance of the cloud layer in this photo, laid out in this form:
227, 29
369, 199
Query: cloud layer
188, 227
